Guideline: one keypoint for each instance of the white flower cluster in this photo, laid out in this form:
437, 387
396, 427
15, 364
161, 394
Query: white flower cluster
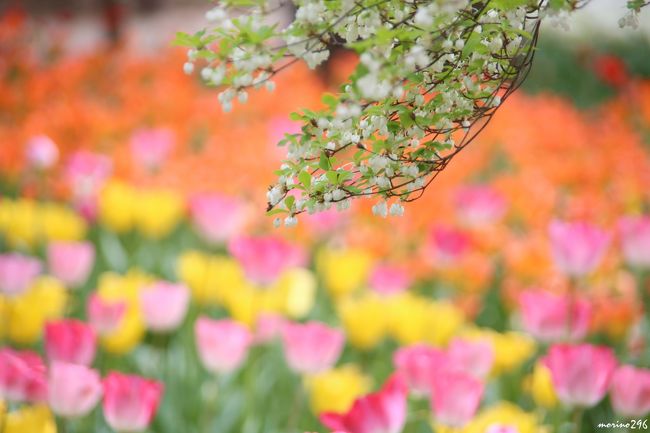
428, 72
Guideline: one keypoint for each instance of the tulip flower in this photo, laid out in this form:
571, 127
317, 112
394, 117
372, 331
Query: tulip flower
73, 389
151, 147
480, 205
22, 376
455, 397
418, 364
448, 244
164, 305
472, 357
388, 280
312, 347
42, 152
552, 318
17, 272
222, 344
71, 262
130, 402
105, 316
577, 248
379, 412
630, 391
265, 258
581, 373
635, 239
70, 341
217, 217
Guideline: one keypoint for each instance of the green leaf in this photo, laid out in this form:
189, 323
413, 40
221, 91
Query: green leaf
289, 201
324, 163
305, 179
333, 177
276, 211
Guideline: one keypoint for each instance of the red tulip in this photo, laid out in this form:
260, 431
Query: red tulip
22, 376
70, 341
130, 402
380, 412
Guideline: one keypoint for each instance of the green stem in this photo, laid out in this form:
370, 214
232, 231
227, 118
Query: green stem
577, 420
61, 425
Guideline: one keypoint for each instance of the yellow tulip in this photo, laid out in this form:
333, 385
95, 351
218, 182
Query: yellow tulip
443, 321
503, 414
298, 289
343, 270
212, 279
541, 386
34, 419
117, 202
158, 212
408, 318
365, 320
511, 349
335, 390
61, 223
45, 300
22, 226
126, 288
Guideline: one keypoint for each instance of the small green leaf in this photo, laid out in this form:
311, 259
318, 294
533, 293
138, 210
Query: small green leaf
305, 179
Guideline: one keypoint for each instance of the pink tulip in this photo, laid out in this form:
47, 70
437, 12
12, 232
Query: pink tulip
418, 364
222, 344
17, 272
71, 262
312, 347
388, 280
70, 341
581, 373
151, 147
218, 217
379, 412
42, 153
472, 357
164, 305
577, 248
635, 237
548, 316
86, 172
130, 402
455, 397
448, 244
630, 391
265, 258
105, 316
22, 376
480, 205
74, 390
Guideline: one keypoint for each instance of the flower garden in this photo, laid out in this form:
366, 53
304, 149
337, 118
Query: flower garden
143, 287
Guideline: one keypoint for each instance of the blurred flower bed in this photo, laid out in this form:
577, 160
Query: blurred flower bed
141, 285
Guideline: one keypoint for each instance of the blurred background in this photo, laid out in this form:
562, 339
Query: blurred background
104, 139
